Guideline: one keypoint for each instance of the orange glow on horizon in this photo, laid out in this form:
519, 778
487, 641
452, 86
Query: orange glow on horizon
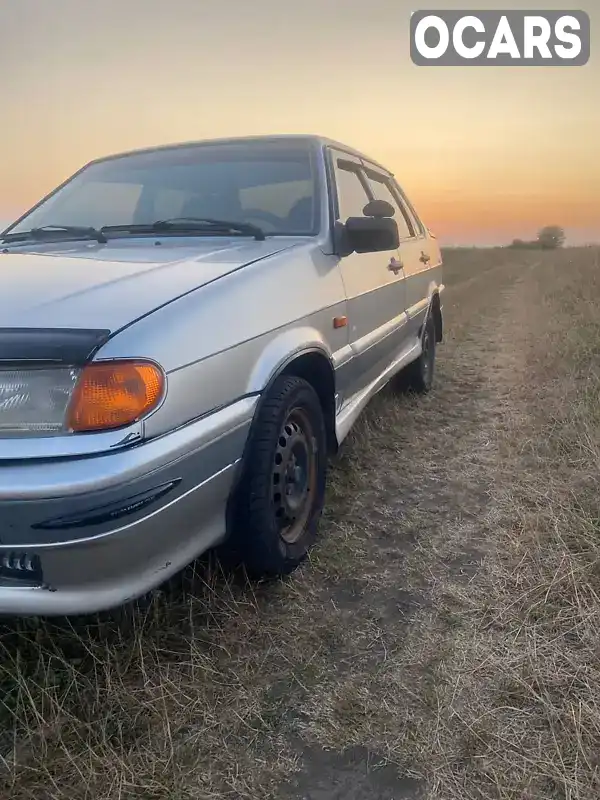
486, 154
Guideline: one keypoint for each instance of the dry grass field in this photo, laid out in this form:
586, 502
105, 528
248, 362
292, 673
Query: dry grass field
444, 640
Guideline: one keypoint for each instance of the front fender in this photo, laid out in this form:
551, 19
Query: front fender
281, 351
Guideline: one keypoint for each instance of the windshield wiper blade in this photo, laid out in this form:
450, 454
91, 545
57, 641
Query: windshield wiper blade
191, 225
214, 225
49, 231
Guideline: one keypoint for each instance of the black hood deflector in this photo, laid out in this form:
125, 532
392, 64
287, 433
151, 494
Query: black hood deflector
72, 346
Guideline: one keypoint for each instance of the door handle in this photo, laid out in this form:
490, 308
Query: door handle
395, 266
424, 258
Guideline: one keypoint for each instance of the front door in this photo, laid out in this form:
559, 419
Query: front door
383, 188
374, 284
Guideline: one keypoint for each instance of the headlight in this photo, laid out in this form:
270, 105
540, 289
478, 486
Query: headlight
35, 400
101, 396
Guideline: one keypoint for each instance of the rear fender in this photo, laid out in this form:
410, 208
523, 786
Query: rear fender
434, 308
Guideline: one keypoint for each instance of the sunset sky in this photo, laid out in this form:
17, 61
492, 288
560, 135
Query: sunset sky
488, 154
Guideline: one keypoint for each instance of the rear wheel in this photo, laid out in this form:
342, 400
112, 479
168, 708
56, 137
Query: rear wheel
279, 502
419, 374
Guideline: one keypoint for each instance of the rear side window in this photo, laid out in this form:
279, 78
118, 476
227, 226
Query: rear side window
351, 193
408, 209
382, 190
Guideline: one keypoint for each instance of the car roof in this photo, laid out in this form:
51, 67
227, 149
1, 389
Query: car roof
322, 141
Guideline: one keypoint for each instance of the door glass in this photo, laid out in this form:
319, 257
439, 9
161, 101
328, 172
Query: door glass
352, 195
409, 211
382, 191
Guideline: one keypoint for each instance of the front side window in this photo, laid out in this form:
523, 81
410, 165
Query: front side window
351, 193
272, 185
381, 189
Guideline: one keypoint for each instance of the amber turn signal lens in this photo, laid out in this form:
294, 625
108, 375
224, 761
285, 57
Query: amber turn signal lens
113, 394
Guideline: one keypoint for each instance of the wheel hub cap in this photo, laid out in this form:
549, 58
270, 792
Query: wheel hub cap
294, 476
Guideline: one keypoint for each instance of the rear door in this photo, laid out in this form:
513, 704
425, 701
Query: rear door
422, 268
373, 282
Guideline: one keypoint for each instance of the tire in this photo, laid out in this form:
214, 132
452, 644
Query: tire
272, 530
419, 374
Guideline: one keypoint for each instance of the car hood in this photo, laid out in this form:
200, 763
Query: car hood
87, 285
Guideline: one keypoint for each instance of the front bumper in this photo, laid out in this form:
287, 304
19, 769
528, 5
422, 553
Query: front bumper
83, 535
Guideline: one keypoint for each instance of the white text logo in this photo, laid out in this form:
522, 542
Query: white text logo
499, 38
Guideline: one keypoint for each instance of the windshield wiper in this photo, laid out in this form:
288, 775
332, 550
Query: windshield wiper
201, 225
196, 225
49, 231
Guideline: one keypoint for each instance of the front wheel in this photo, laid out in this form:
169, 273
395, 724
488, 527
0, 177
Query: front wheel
279, 502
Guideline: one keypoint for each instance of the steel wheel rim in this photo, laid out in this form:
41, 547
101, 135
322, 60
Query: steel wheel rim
294, 477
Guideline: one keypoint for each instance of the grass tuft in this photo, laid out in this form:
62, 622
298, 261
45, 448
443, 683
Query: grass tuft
448, 623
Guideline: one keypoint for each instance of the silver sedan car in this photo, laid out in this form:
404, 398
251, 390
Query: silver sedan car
188, 332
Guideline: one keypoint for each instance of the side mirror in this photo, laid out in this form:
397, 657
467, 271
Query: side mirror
370, 234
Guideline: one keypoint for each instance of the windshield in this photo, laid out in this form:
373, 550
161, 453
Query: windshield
271, 185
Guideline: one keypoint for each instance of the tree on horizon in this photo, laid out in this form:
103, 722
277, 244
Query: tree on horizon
551, 237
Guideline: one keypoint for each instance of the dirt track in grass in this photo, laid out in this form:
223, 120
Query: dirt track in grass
442, 643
